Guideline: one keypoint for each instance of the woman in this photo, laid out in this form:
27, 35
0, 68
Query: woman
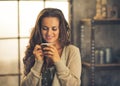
56, 64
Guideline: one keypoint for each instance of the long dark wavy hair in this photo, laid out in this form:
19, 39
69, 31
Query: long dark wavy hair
36, 37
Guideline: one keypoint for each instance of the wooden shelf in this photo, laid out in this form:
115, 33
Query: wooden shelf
102, 21
98, 34
101, 66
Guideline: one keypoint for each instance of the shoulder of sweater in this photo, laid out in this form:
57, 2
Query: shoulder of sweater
72, 50
71, 46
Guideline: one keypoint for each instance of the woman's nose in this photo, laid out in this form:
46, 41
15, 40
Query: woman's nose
49, 31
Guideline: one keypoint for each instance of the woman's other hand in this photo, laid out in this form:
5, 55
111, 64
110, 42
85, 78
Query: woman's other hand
50, 51
37, 52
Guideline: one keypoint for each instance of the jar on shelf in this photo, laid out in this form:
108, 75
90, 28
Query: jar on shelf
108, 55
102, 58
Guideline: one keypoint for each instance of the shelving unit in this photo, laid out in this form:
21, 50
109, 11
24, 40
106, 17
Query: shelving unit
102, 66
99, 35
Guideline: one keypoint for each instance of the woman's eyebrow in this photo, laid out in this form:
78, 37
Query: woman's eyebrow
49, 27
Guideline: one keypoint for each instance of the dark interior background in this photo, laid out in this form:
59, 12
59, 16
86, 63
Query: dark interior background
104, 37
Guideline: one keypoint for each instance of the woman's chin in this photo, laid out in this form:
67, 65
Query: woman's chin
49, 41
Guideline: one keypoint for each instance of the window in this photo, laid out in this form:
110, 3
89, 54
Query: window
17, 18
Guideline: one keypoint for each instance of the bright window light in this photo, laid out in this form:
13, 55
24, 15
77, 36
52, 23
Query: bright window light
8, 19
8, 56
28, 14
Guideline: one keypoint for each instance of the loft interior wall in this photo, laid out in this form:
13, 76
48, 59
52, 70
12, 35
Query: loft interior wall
81, 9
86, 9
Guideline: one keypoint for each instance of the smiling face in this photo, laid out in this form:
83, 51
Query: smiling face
50, 29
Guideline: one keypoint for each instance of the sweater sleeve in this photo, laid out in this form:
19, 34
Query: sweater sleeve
34, 77
69, 74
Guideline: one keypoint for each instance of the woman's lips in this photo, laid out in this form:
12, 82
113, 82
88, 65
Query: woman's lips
49, 38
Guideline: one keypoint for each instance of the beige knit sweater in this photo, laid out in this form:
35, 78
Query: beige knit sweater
68, 70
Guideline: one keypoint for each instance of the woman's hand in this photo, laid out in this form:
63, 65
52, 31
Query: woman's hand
51, 52
37, 52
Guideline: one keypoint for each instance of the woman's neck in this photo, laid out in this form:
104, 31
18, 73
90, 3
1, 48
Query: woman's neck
59, 48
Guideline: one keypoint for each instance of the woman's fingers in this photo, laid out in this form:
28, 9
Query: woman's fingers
51, 52
48, 50
38, 52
